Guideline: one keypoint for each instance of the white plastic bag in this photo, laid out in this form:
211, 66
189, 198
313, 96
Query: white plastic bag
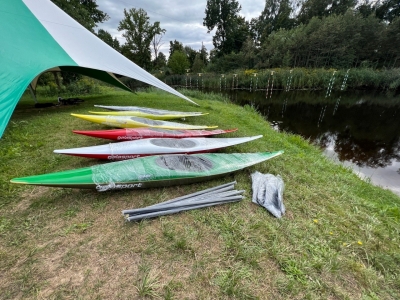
268, 192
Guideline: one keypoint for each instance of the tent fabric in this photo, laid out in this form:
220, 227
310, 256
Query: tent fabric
37, 36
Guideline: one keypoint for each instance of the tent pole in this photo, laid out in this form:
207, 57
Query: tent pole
32, 93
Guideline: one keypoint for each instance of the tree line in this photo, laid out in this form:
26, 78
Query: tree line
287, 33
309, 33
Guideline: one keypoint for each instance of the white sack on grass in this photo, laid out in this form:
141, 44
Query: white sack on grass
268, 192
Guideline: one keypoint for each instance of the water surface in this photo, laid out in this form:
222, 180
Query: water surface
359, 129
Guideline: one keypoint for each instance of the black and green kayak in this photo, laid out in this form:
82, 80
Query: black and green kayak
150, 171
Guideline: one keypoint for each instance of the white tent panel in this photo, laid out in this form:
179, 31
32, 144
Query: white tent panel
86, 49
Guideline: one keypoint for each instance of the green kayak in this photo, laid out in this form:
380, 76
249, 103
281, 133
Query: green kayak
150, 171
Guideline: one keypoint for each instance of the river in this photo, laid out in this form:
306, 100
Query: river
360, 129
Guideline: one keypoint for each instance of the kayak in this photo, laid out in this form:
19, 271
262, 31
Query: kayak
133, 122
147, 110
156, 146
150, 114
150, 171
127, 134
147, 115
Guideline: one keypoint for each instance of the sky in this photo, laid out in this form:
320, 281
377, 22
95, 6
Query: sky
182, 19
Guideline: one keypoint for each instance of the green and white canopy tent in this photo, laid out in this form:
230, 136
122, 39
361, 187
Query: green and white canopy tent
37, 36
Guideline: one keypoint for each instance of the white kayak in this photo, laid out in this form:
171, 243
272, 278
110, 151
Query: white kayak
155, 146
144, 112
148, 110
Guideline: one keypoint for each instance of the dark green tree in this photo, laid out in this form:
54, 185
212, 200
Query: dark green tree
127, 52
106, 37
203, 54
160, 62
232, 29
388, 10
239, 35
198, 64
368, 39
323, 8
227, 63
178, 62
175, 46
366, 8
340, 7
139, 33
338, 41
85, 12
391, 45
249, 51
276, 15
190, 54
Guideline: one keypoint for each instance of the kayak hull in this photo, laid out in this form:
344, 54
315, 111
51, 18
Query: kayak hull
155, 146
134, 185
129, 134
134, 122
151, 171
153, 111
149, 115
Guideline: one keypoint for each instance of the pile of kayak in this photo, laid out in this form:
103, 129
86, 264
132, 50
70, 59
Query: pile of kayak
150, 152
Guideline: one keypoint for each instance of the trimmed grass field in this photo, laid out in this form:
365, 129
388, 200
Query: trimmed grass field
338, 240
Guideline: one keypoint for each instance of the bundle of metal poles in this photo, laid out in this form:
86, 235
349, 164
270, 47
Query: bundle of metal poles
213, 196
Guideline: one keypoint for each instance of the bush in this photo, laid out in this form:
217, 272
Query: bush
82, 86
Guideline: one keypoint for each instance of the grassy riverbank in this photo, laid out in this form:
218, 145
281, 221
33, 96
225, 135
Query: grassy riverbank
338, 240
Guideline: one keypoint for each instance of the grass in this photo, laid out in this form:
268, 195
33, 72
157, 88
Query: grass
338, 240
291, 79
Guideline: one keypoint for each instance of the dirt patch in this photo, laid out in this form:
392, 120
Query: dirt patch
79, 266
29, 195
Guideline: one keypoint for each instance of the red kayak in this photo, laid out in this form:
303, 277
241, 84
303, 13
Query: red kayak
128, 134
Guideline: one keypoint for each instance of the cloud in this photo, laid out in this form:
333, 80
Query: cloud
182, 19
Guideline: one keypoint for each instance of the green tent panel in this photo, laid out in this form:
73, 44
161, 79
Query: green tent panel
37, 36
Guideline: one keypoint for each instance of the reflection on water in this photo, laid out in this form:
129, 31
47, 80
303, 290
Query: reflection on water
359, 129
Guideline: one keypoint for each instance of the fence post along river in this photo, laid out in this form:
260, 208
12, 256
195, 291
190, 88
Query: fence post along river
342, 87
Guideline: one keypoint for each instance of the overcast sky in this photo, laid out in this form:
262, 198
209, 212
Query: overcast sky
182, 19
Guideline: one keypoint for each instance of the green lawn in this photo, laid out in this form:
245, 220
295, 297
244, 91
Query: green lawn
338, 240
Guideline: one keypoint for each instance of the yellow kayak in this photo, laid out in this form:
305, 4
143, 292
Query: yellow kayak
147, 115
134, 122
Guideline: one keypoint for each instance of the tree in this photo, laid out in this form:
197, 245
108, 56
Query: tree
249, 53
323, 8
227, 63
156, 44
106, 37
85, 12
391, 45
175, 46
190, 54
160, 62
276, 15
338, 41
366, 8
139, 34
232, 29
203, 54
178, 62
198, 64
388, 10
